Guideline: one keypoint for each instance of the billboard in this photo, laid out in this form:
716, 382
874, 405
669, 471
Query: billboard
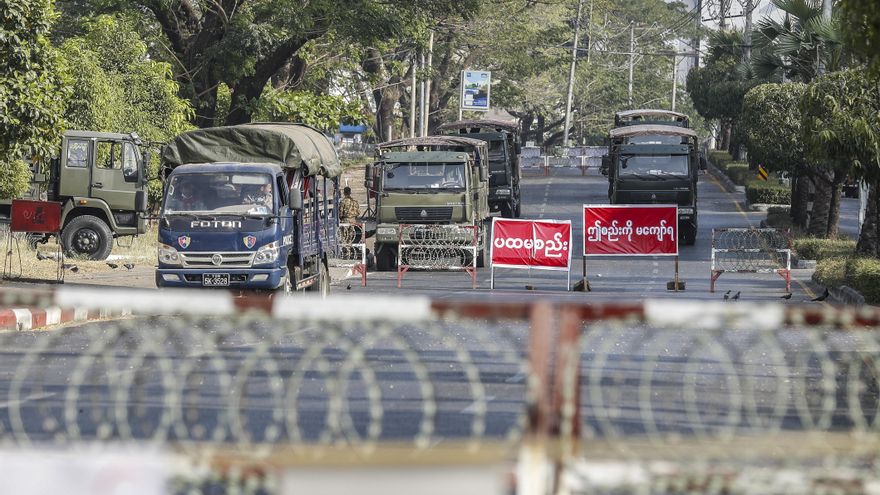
475, 90
542, 244
630, 230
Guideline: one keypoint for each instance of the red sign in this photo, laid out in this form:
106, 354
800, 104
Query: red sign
43, 217
542, 244
630, 230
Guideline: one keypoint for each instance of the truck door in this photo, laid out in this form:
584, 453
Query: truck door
74, 175
108, 182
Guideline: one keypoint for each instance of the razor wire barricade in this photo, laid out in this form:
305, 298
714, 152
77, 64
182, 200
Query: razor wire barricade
351, 250
751, 250
438, 248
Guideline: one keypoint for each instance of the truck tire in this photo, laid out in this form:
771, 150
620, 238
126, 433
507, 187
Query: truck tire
689, 235
286, 286
322, 286
87, 236
518, 210
386, 261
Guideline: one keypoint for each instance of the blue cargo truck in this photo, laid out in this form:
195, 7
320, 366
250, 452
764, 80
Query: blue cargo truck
249, 207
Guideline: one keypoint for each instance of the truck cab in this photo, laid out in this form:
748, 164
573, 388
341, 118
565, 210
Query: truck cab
647, 116
263, 218
430, 180
502, 139
655, 164
99, 177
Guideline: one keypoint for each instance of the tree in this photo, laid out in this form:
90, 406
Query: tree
324, 112
860, 20
771, 126
840, 129
31, 91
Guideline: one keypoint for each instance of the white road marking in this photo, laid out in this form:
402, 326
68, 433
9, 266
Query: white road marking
473, 407
31, 397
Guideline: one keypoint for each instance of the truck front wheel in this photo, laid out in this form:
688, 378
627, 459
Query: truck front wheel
87, 236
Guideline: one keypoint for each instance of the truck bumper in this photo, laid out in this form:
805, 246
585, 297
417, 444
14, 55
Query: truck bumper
245, 279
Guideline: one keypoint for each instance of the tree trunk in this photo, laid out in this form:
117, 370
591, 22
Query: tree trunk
539, 132
869, 242
821, 204
725, 137
526, 130
834, 206
800, 196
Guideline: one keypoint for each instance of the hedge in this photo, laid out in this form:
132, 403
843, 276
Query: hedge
766, 192
738, 172
862, 274
720, 158
779, 217
811, 248
831, 272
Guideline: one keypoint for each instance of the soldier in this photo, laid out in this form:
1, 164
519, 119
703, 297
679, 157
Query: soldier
261, 197
349, 209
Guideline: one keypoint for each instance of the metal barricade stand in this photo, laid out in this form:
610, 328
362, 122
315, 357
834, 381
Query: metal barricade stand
32, 217
751, 250
437, 248
351, 250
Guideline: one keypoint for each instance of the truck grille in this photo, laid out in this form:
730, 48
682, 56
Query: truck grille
432, 214
227, 260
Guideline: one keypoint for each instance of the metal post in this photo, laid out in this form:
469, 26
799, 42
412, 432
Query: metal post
574, 48
412, 102
696, 41
676, 273
427, 100
747, 34
674, 79
421, 94
589, 32
632, 49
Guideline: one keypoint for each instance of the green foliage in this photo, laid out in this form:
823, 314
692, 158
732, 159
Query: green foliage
841, 122
738, 172
718, 88
118, 88
772, 127
720, 158
325, 112
861, 274
830, 272
779, 217
811, 248
765, 192
31, 90
861, 30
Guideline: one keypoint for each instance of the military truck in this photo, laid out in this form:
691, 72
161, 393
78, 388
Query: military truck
655, 164
428, 180
650, 116
504, 170
249, 207
99, 178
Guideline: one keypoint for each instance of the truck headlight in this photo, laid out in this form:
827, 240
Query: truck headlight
168, 255
386, 231
687, 210
268, 253
502, 192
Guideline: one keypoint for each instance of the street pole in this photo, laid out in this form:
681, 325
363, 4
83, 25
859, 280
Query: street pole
696, 42
428, 85
574, 48
747, 35
632, 49
826, 15
589, 32
722, 22
412, 100
421, 92
674, 79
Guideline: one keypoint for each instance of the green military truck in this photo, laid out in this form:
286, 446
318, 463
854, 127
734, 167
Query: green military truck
504, 169
434, 180
650, 116
99, 178
655, 164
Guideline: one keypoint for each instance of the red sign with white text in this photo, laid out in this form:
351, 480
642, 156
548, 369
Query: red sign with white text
35, 216
544, 244
630, 230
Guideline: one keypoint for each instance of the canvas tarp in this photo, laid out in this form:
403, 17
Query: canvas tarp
288, 145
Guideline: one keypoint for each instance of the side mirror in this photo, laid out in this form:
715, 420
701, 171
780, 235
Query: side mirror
484, 174
368, 176
295, 200
606, 165
140, 201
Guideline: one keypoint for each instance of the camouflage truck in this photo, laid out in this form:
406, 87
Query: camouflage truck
504, 169
428, 180
99, 178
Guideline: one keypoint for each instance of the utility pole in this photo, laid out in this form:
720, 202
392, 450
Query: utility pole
421, 92
674, 79
412, 99
427, 100
826, 15
632, 49
747, 35
574, 50
696, 42
722, 21
589, 32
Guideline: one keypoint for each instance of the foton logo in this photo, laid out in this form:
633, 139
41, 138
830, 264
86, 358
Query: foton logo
217, 224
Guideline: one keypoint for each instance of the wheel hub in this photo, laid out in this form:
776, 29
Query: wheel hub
86, 241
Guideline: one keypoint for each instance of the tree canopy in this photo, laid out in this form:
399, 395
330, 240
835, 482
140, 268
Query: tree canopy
771, 123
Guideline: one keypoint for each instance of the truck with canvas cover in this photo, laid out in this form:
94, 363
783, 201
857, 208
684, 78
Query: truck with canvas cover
249, 207
655, 164
99, 179
433, 180
650, 116
504, 171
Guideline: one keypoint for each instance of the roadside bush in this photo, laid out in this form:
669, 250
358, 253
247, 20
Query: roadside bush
830, 272
738, 172
811, 248
863, 275
719, 158
764, 192
779, 217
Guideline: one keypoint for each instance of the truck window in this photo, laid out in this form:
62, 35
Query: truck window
238, 193
108, 155
130, 158
636, 165
77, 154
425, 175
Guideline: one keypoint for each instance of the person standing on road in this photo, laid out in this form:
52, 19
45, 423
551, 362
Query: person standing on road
349, 209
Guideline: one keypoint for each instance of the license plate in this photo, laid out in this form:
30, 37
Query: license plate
215, 279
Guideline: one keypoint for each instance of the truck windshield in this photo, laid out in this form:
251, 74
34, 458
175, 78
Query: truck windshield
211, 193
657, 165
424, 175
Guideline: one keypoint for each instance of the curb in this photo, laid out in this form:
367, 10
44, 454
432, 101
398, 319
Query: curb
722, 178
25, 319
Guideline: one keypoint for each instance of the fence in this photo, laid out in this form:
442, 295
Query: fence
351, 250
751, 251
438, 247
654, 397
584, 158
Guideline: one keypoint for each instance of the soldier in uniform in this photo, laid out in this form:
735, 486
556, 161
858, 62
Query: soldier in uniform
349, 209
261, 197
